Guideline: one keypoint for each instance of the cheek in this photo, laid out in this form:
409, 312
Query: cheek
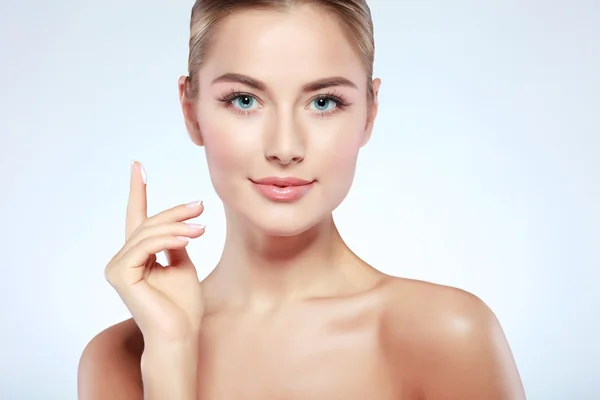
339, 149
342, 159
220, 149
226, 154
338, 159
224, 138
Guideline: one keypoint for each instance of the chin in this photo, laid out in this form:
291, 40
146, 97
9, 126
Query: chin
283, 220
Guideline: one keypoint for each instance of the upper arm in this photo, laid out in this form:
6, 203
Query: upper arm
109, 367
471, 358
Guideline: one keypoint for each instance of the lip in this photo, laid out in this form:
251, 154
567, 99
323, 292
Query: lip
277, 189
282, 182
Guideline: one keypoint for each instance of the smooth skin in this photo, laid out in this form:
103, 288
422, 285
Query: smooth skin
290, 312
389, 339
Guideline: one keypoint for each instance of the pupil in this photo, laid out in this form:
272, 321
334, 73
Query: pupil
245, 100
322, 102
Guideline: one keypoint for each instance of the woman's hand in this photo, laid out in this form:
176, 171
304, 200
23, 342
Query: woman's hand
166, 302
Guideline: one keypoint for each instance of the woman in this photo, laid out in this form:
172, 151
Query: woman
280, 94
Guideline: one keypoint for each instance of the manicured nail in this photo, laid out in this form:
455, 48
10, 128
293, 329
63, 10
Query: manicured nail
143, 172
194, 204
196, 226
183, 238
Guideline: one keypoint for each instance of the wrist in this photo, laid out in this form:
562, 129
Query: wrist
169, 370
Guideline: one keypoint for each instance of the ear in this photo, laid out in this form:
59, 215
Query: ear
372, 111
188, 106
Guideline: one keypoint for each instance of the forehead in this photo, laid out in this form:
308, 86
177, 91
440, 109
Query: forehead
304, 42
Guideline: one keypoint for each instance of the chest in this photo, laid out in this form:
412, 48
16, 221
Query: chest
296, 358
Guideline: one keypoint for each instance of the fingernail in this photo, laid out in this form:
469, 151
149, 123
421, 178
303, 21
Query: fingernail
196, 226
143, 171
183, 238
193, 204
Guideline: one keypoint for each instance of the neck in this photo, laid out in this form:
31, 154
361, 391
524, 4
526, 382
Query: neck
262, 272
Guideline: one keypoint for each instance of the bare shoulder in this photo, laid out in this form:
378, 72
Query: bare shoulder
110, 364
457, 312
452, 338
433, 317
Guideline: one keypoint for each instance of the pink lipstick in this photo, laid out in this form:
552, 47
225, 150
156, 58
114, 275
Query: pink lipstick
278, 189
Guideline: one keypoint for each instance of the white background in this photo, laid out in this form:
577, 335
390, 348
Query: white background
483, 171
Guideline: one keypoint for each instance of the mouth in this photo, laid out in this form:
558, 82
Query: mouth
282, 182
288, 189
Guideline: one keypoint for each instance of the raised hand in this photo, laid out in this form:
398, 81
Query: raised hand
165, 301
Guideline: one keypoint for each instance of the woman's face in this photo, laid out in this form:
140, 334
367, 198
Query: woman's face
282, 95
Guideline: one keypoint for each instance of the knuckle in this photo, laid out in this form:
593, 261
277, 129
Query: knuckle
109, 273
143, 243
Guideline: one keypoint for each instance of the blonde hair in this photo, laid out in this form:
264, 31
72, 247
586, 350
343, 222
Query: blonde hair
354, 17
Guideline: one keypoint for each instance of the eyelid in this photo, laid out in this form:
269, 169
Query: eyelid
234, 94
336, 97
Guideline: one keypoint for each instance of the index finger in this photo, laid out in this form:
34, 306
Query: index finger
137, 203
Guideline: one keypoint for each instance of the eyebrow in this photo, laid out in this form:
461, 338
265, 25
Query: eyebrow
309, 87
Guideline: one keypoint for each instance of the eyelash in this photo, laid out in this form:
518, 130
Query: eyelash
340, 101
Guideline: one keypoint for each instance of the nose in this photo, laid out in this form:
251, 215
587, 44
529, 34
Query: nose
284, 143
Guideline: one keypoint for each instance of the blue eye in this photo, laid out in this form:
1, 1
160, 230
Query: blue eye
243, 102
324, 104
